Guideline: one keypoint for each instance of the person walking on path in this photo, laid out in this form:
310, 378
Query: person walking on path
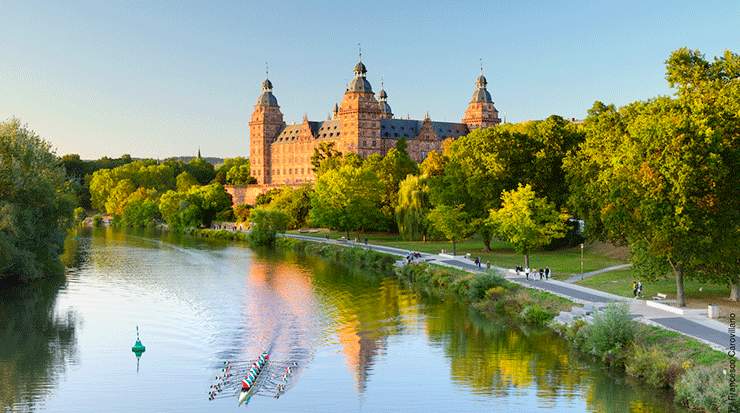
542, 273
639, 289
547, 273
526, 272
634, 289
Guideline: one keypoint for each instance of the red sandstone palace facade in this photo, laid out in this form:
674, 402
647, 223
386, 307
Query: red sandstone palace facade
280, 154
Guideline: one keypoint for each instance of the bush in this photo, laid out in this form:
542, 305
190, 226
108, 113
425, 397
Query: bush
706, 388
536, 315
610, 334
653, 365
481, 283
97, 220
267, 222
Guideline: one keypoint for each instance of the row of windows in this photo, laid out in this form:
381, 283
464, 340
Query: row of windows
289, 171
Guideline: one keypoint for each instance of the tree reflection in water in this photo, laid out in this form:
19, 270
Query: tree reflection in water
36, 343
487, 356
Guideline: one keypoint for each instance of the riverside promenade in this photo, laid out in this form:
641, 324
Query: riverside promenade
690, 322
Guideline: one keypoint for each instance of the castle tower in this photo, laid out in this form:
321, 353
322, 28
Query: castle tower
385, 108
480, 112
266, 124
359, 116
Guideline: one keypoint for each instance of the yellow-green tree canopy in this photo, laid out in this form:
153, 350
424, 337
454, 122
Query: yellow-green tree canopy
526, 220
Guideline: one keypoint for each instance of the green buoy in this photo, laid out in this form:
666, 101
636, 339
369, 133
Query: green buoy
138, 349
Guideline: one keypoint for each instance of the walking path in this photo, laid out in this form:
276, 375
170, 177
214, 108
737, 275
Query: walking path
694, 323
579, 277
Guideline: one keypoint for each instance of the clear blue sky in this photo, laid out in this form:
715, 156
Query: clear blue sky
158, 79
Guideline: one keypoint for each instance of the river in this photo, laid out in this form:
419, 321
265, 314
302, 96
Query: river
363, 342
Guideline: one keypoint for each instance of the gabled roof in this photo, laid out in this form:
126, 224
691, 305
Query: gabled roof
407, 128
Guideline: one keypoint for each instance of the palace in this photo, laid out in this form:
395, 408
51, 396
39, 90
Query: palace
280, 154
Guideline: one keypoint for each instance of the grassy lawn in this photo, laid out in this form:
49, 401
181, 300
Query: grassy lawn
620, 283
563, 262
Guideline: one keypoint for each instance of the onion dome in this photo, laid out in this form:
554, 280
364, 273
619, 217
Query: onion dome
266, 98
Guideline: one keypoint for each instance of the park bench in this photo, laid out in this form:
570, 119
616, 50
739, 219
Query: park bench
659, 297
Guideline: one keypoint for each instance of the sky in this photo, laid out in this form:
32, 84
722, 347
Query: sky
159, 79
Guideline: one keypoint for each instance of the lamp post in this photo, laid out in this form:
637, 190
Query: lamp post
581, 261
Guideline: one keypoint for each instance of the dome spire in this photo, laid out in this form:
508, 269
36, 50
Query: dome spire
359, 83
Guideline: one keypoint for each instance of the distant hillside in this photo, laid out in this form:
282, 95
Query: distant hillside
211, 160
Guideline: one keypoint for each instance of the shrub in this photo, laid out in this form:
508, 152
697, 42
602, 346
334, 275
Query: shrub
97, 220
536, 315
267, 222
706, 388
481, 283
653, 365
494, 293
610, 334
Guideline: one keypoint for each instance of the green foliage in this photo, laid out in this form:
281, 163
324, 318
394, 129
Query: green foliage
35, 205
611, 332
526, 220
708, 389
452, 222
534, 314
79, 214
110, 188
295, 203
140, 212
660, 175
201, 170
196, 207
185, 181
97, 220
241, 212
654, 365
266, 223
412, 208
348, 199
234, 171
325, 153
266, 197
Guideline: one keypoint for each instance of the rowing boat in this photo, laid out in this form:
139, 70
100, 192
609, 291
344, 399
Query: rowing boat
250, 379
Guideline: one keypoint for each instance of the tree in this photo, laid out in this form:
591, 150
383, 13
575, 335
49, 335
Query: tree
224, 168
35, 205
266, 223
185, 181
391, 169
201, 170
240, 175
322, 152
196, 207
347, 199
412, 208
295, 203
526, 220
661, 175
452, 222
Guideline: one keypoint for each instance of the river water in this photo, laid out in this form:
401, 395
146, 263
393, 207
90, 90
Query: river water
363, 342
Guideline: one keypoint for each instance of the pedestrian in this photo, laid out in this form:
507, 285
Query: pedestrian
516, 270
634, 289
365, 240
639, 289
526, 272
542, 273
547, 273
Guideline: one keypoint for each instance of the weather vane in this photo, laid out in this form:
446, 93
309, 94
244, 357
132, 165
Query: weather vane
267, 70
359, 47
480, 59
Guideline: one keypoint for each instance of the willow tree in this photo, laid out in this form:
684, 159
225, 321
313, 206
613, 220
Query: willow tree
413, 207
661, 175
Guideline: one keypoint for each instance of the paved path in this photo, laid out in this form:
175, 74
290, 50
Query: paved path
578, 277
693, 325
